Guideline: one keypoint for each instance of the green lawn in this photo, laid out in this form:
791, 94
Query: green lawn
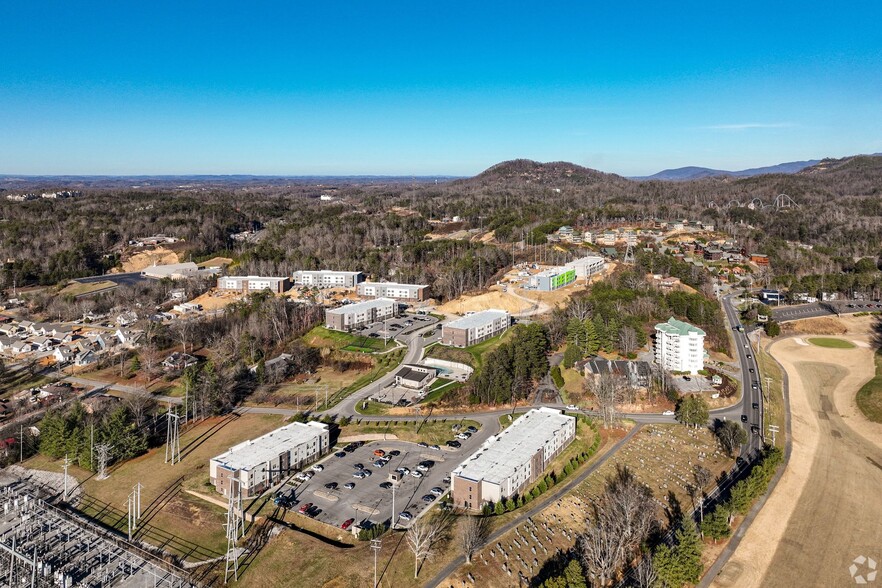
322, 337
831, 342
434, 432
473, 356
439, 388
373, 408
869, 397
383, 365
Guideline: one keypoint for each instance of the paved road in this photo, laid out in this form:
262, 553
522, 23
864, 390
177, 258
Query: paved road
136, 390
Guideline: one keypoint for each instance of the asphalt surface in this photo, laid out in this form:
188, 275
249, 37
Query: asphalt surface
123, 279
816, 309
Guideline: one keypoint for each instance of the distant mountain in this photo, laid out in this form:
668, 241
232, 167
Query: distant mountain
555, 174
696, 173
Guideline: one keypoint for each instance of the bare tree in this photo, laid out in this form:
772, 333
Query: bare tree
628, 340
140, 406
579, 308
645, 575
702, 477
607, 388
473, 535
422, 537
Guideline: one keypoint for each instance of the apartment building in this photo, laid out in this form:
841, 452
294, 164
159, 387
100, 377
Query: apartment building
352, 316
679, 346
552, 279
507, 463
259, 463
587, 266
327, 278
246, 284
395, 291
474, 328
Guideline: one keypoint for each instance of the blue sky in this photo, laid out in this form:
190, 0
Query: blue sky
339, 87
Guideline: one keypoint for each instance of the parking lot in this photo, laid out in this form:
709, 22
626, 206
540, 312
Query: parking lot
367, 501
397, 326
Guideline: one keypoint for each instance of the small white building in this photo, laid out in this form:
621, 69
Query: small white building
679, 346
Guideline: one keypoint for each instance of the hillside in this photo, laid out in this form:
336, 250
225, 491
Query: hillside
553, 174
696, 173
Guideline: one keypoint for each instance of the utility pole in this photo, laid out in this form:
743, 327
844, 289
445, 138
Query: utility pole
66, 465
104, 451
773, 429
376, 544
173, 437
20, 444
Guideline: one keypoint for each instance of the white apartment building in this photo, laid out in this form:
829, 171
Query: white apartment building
259, 463
402, 292
474, 328
679, 346
587, 266
351, 316
327, 278
510, 461
253, 284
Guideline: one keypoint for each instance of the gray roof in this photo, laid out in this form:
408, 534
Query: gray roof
417, 375
256, 452
479, 319
514, 446
359, 306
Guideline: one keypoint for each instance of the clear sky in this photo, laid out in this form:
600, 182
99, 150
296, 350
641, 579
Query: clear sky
444, 87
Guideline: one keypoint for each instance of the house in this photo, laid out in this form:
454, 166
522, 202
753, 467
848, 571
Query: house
179, 361
85, 358
64, 354
127, 318
40, 343
637, 373
759, 259
127, 337
7, 342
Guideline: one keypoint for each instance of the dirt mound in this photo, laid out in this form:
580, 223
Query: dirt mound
158, 256
492, 299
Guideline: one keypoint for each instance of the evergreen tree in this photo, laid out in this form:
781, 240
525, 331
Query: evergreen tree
499, 508
716, 524
689, 551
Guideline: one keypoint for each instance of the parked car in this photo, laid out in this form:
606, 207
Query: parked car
394, 453
437, 491
318, 467
416, 474
340, 454
435, 447
572, 407
668, 413
331, 485
403, 471
428, 498
379, 452
405, 516
359, 466
386, 485
379, 463
446, 480
472, 429
347, 523
305, 507
349, 485
423, 444
455, 444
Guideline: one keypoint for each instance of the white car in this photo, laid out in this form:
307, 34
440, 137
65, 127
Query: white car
318, 467
572, 407
668, 413
416, 474
403, 471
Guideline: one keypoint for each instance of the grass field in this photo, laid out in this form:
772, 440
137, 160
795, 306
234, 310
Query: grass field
434, 432
373, 408
167, 508
79, 289
869, 397
322, 337
439, 388
473, 356
831, 342
774, 395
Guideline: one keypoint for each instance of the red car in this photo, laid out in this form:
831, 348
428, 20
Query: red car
347, 523
305, 508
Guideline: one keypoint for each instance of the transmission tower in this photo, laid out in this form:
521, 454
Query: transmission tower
66, 465
173, 437
104, 451
629, 255
234, 524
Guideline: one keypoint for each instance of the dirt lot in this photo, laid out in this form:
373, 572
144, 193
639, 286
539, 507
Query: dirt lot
213, 300
835, 470
158, 256
495, 298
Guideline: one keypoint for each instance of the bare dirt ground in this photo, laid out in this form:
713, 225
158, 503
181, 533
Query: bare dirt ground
492, 299
158, 256
214, 300
826, 510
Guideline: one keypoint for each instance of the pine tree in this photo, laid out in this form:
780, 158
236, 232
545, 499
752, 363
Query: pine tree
688, 551
499, 508
716, 524
591, 345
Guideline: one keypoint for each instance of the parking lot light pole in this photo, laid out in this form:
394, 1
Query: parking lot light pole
393, 507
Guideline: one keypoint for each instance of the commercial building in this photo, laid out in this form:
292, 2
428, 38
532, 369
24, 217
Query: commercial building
474, 328
512, 460
587, 266
171, 270
246, 284
327, 278
259, 463
679, 346
415, 377
770, 296
352, 316
553, 278
401, 292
